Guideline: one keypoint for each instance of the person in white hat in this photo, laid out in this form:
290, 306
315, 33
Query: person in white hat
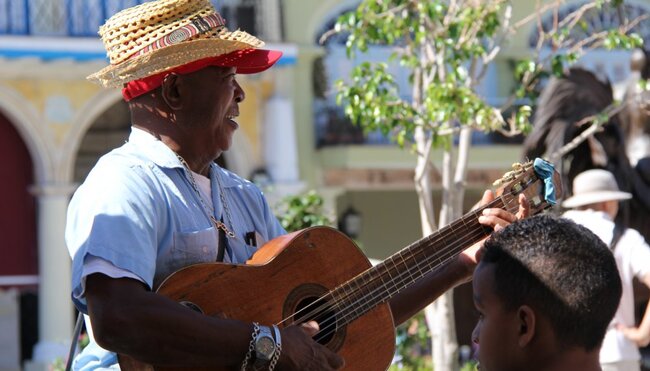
159, 203
595, 204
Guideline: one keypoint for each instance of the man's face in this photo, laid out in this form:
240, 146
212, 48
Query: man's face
497, 328
214, 105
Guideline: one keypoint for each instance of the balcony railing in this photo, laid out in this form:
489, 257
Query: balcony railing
82, 18
333, 128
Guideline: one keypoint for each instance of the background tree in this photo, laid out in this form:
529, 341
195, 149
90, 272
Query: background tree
447, 45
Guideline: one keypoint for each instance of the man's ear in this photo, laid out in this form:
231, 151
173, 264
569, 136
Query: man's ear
170, 91
527, 320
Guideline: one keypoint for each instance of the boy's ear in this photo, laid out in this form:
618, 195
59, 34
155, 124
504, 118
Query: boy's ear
527, 319
170, 91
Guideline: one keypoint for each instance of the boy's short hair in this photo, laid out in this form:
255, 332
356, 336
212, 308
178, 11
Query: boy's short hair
560, 269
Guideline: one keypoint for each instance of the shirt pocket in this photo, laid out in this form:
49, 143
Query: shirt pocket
194, 247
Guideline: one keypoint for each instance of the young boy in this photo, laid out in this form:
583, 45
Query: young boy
546, 290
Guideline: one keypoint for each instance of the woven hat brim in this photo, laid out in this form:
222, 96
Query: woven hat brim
595, 197
167, 58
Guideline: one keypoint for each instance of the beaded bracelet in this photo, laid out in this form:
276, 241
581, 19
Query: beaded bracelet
251, 346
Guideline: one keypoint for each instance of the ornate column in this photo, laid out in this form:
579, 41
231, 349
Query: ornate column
280, 141
55, 309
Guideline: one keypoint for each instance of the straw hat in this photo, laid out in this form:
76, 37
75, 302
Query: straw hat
593, 186
157, 36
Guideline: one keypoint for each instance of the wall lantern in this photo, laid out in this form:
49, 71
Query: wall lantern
350, 222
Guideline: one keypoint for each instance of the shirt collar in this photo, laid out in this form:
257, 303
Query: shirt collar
226, 177
154, 149
161, 155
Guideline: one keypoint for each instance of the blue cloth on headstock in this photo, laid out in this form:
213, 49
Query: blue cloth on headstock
544, 171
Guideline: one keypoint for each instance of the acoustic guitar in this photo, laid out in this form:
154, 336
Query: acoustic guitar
320, 274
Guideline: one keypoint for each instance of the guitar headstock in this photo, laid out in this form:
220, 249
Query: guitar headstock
533, 182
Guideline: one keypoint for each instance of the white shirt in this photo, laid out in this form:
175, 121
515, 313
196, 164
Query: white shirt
632, 256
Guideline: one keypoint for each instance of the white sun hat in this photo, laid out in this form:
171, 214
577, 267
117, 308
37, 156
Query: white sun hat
593, 186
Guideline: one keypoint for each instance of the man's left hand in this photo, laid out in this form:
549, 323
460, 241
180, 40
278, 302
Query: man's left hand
495, 218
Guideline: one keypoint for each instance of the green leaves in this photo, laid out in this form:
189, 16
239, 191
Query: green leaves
434, 42
617, 2
557, 65
616, 39
302, 211
459, 104
526, 66
522, 119
373, 100
442, 46
412, 336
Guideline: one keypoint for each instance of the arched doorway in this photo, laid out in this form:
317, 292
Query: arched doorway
18, 222
110, 130
19, 252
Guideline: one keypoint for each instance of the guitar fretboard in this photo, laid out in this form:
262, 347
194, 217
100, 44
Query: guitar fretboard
383, 281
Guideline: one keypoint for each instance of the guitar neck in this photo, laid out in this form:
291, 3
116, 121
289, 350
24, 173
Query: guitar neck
383, 281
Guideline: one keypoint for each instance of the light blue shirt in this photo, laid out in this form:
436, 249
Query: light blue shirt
138, 210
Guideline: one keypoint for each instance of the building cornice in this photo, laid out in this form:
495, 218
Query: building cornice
29, 55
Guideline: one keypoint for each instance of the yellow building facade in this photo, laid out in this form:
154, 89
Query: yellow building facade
64, 123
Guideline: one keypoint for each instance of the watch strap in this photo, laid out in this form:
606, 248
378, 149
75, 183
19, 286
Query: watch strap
261, 359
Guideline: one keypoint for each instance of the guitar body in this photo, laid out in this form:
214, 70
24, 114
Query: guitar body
285, 275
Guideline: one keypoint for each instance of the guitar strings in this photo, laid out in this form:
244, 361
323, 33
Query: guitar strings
443, 256
392, 287
448, 254
432, 238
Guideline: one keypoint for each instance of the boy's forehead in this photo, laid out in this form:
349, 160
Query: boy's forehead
483, 281
484, 269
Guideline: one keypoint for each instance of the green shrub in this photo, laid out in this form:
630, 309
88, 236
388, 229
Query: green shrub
302, 211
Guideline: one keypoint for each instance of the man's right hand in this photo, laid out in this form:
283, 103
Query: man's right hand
301, 352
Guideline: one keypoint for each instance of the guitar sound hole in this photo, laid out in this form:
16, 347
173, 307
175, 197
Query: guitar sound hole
303, 304
316, 309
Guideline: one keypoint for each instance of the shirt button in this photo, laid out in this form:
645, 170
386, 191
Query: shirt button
205, 249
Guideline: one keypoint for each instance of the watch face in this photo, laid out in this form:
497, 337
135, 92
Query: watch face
265, 346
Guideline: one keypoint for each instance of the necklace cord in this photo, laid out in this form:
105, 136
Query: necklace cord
217, 223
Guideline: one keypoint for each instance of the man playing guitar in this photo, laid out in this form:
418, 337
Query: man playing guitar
159, 203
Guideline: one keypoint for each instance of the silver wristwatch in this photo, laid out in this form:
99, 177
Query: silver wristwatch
265, 346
